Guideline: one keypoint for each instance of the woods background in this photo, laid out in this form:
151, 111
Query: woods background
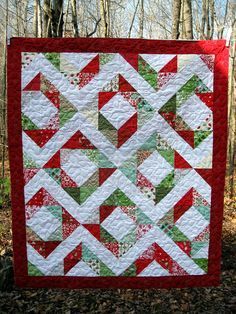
152, 19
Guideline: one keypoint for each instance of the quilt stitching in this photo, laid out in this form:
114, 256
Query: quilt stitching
131, 196
117, 163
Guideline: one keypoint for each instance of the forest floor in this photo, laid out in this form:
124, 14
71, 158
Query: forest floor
221, 299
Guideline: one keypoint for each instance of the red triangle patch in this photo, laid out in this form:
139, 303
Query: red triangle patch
104, 97
78, 140
132, 59
206, 174
127, 130
44, 248
180, 162
105, 211
72, 258
183, 205
29, 174
34, 84
171, 66
162, 257
142, 263
125, 86
66, 181
40, 137
188, 136
54, 97
185, 246
209, 61
104, 174
92, 66
54, 162
113, 247
69, 223
176, 269
145, 259
42, 197
207, 98
94, 229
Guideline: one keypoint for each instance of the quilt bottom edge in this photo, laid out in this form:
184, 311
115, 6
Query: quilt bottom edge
116, 282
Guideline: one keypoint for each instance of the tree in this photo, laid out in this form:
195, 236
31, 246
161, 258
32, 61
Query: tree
182, 14
232, 111
176, 19
105, 17
187, 19
37, 20
74, 17
57, 18
3, 104
141, 19
207, 26
47, 17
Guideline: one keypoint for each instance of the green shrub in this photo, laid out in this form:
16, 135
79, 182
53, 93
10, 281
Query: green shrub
6, 273
4, 192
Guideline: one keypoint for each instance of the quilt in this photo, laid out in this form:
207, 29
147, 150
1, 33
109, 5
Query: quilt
117, 154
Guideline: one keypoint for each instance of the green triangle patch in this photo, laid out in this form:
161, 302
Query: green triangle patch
170, 106
104, 124
67, 110
54, 58
165, 187
130, 272
118, 198
33, 270
87, 254
74, 193
177, 235
54, 173
202, 263
200, 136
105, 271
106, 236
142, 219
147, 72
150, 144
27, 124
189, 88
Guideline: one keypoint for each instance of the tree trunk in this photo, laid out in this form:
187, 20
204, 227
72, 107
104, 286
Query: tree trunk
188, 19
212, 9
232, 113
57, 18
141, 19
74, 18
25, 22
40, 22
35, 19
133, 18
105, 15
47, 18
225, 18
66, 18
176, 18
208, 34
3, 125
204, 14
17, 17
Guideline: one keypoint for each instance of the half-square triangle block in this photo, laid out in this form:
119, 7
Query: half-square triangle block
117, 111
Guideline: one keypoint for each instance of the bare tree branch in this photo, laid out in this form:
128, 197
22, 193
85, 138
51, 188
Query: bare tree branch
95, 29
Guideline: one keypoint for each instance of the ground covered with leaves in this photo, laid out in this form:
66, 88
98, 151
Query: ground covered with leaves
221, 299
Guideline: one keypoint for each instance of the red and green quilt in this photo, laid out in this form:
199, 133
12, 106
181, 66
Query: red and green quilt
117, 154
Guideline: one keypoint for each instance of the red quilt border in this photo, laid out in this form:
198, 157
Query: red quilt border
18, 45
